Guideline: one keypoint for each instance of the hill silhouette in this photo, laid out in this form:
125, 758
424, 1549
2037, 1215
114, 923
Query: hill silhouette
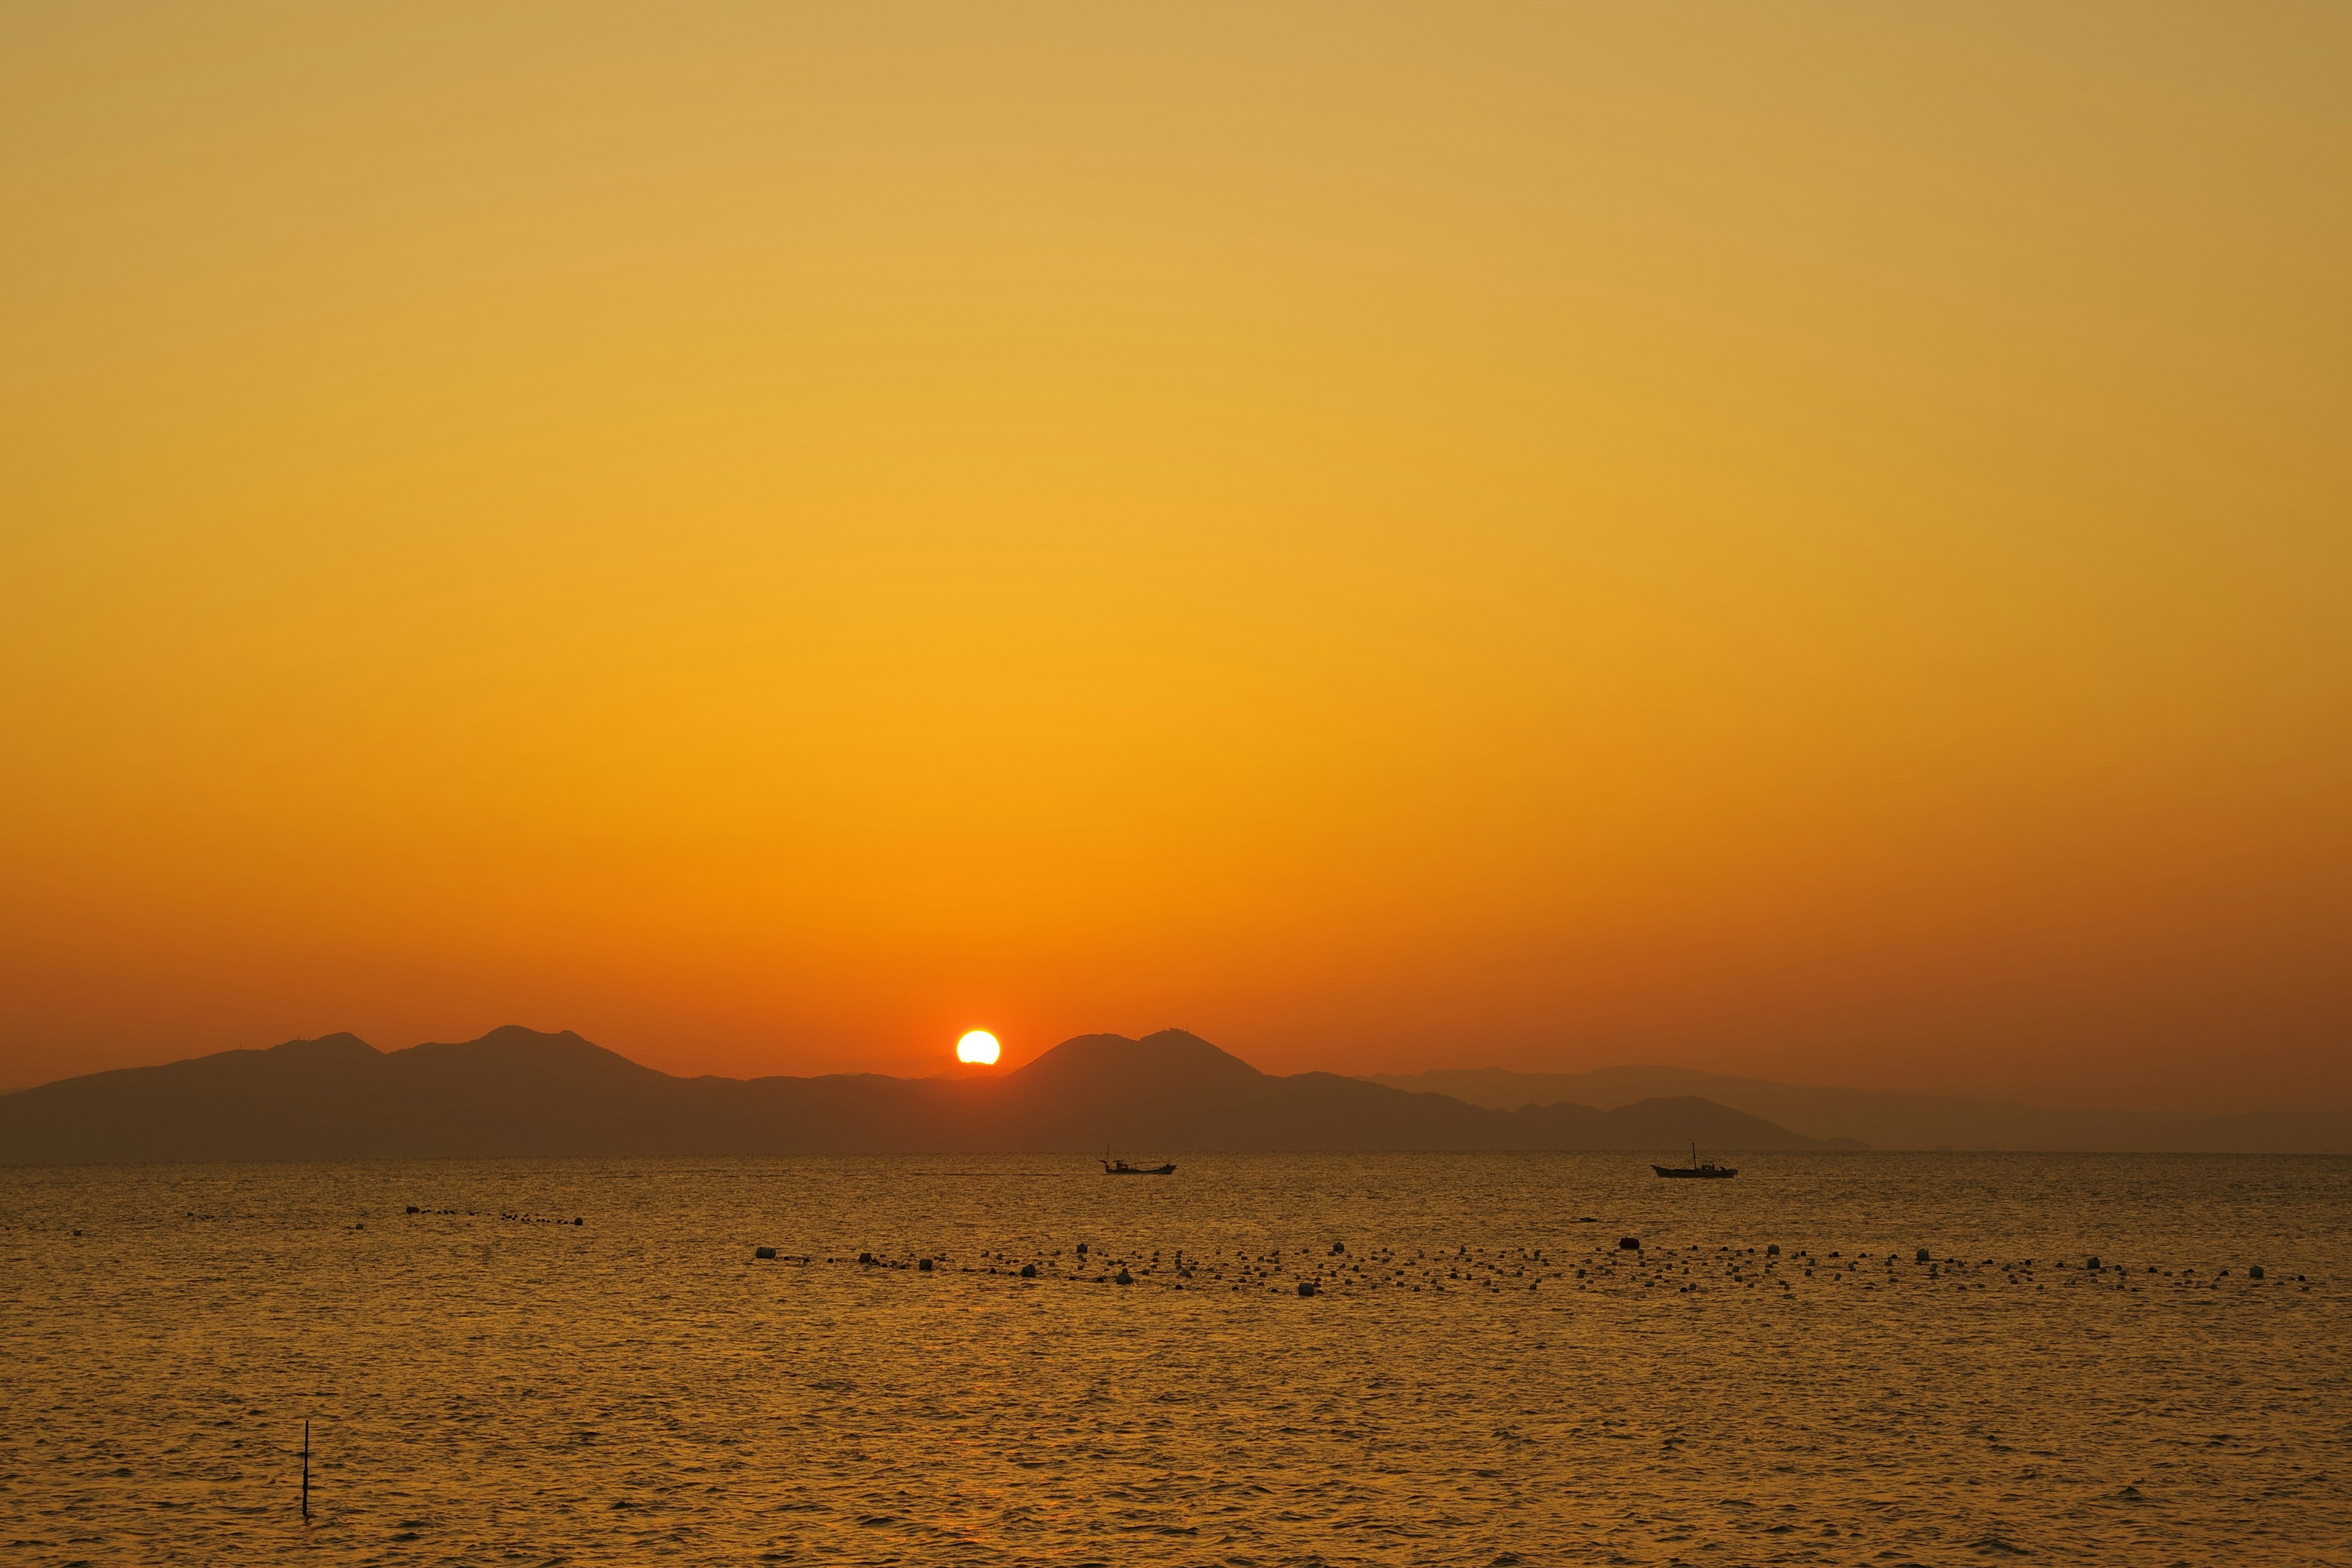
1889, 1119
517, 1092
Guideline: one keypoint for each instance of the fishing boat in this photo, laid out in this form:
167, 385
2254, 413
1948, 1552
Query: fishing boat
1121, 1168
1705, 1171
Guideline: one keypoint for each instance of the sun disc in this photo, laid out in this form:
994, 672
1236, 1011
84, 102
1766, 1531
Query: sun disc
979, 1046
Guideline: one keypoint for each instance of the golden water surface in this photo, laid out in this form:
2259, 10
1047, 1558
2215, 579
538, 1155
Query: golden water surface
1482, 1375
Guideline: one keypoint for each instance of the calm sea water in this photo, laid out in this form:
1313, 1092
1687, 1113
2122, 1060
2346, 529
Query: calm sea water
484, 1386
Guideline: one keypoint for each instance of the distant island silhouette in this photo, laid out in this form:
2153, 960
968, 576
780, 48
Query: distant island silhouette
1889, 1119
517, 1092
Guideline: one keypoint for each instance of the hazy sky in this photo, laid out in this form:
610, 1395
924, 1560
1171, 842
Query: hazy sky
1801, 540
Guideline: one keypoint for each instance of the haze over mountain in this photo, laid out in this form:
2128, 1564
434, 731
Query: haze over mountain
1890, 1119
517, 1092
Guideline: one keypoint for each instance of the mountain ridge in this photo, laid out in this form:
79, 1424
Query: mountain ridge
519, 1092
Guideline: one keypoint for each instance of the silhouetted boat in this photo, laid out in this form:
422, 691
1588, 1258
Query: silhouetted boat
1703, 1171
1121, 1168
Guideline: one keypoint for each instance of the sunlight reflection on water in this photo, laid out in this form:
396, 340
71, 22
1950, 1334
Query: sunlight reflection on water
488, 1384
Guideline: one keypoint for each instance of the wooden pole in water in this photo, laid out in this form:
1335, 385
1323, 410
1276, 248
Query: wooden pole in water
306, 1472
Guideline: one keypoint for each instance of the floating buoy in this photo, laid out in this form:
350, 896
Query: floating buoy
2253, 1273
1122, 1278
1307, 1287
1028, 1271
1773, 1250
866, 1257
2092, 1263
764, 1252
1337, 1247
1629, 1244
1082, 1249
1920, 1256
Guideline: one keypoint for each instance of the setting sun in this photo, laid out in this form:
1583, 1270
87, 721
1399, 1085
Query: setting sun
1701, 648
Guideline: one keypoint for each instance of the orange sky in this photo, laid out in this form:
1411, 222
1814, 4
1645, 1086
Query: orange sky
1801, 540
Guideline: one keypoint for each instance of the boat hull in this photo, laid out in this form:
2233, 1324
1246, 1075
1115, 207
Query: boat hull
1683, 1172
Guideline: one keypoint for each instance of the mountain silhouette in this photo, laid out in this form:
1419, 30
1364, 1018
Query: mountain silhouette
1891, 1119
517, 1092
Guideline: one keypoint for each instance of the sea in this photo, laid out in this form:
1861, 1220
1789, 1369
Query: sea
1541, 1358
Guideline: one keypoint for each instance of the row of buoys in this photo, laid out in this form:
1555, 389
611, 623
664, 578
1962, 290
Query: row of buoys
2018, 1271
469, 1214
1466, 1272
1185, 1268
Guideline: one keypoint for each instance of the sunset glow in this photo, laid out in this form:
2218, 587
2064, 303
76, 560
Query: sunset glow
979, 1047
1540, 537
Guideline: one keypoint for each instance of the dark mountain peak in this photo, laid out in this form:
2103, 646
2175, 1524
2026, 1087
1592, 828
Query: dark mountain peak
1172, 1056
512, 1035
1185, 1042
336, 1058
512, 1048
513, 1038
341, 1045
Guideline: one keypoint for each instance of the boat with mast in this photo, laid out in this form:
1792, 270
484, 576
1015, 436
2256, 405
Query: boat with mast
1705, 1171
